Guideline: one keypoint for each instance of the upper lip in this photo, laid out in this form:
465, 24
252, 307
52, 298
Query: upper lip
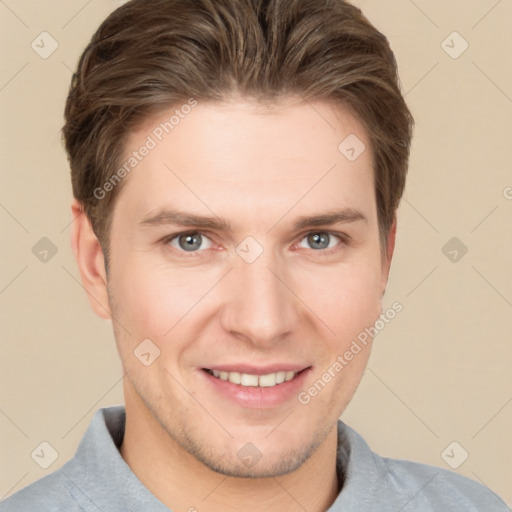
258, 370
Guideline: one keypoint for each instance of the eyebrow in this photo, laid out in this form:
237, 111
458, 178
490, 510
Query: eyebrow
182, 218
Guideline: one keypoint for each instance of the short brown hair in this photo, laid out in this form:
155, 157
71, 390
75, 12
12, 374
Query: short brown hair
150, 55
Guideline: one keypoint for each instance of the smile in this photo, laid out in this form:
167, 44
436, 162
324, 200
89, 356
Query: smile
246, 379
257, 387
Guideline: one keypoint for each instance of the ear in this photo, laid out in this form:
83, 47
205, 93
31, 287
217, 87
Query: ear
387, 257
90, 260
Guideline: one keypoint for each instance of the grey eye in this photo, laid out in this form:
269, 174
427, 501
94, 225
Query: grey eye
189, 242
320, 240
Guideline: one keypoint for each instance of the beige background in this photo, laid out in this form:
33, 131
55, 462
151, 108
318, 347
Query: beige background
440, 371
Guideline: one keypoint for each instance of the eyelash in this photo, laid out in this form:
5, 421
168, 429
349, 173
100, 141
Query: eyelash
344, 241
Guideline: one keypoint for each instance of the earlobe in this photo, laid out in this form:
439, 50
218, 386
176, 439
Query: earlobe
90, 261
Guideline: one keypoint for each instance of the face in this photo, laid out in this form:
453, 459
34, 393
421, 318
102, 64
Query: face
221, 261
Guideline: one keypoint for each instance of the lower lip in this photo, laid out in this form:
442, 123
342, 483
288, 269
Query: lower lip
256, 397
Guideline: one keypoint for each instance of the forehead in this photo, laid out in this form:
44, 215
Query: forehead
253, 155
247, 126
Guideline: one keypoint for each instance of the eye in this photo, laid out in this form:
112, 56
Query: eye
321, 240
189, 242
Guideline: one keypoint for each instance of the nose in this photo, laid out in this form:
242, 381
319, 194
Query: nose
259, 306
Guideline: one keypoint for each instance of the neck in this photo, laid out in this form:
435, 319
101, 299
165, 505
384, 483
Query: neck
181, 482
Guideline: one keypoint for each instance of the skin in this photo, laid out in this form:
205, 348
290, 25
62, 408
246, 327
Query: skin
259, 168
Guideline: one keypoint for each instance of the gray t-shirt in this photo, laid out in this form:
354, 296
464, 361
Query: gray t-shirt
97, 479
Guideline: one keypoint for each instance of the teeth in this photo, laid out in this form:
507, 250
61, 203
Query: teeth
267, 380
245, 379
248, 380
234, 377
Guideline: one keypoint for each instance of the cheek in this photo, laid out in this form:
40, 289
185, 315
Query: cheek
347, 300
156, 297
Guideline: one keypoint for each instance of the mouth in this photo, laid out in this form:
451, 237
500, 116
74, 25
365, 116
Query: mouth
267, 380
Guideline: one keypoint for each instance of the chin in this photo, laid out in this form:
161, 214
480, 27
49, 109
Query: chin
261, 458
251, 463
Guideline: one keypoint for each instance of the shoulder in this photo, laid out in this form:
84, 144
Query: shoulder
430, 486
52, 493
384, 484
93, 479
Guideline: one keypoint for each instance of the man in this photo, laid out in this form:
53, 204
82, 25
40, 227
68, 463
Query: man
236, 167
